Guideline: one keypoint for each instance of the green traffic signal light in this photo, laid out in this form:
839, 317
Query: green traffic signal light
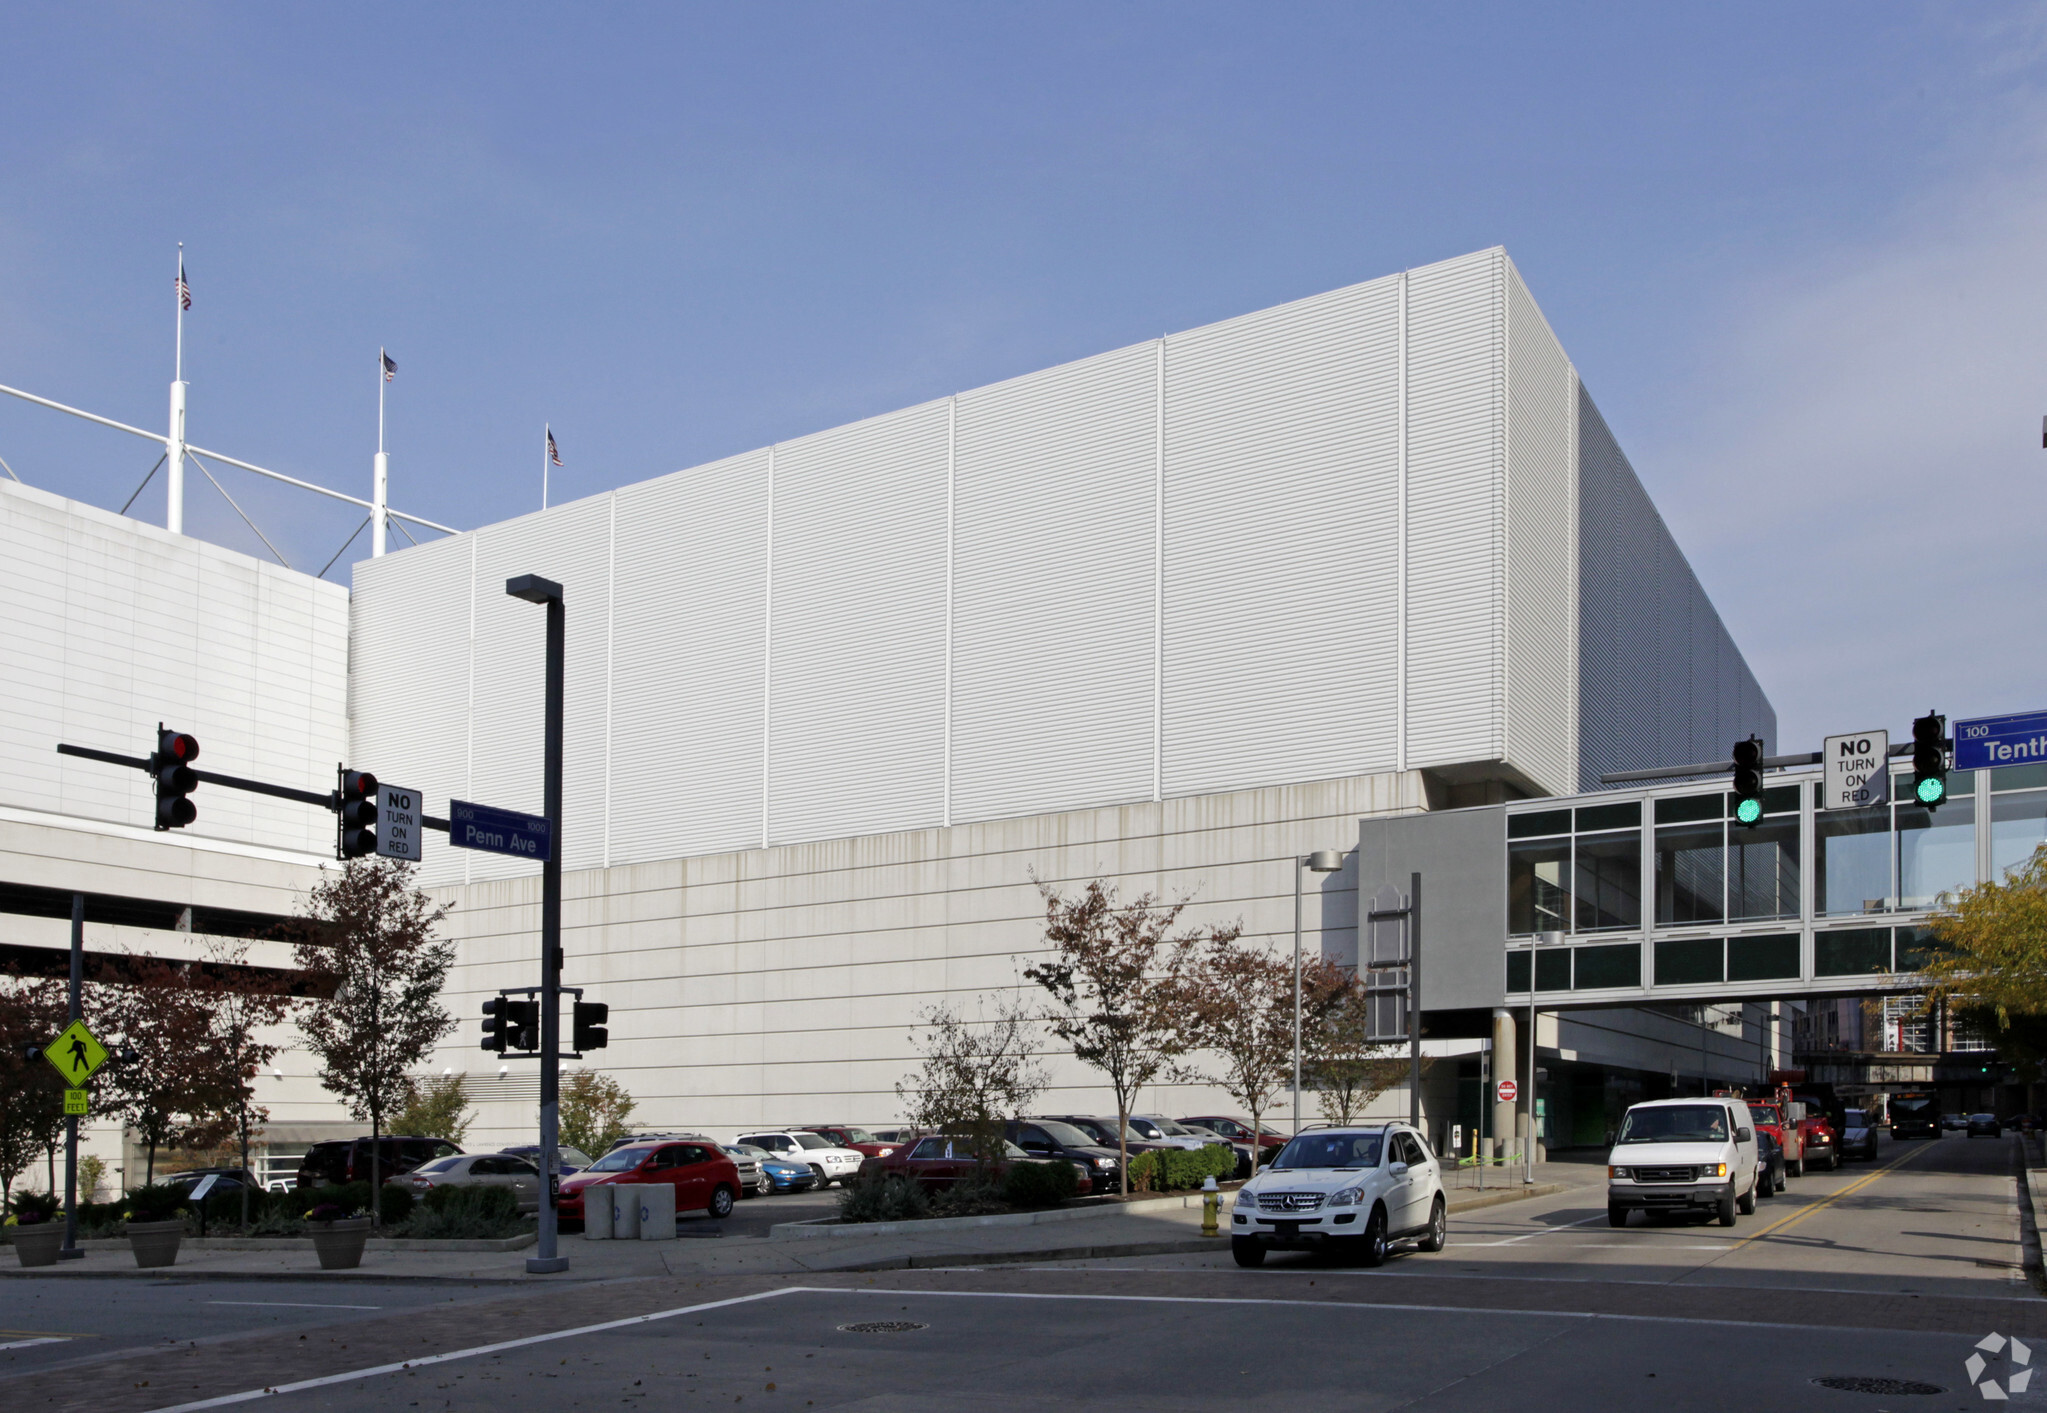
1931, 791
1748, 811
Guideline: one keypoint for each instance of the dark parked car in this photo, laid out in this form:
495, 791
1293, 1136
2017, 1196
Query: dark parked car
1237, 1131
1986, 1125
1769, 1164
228, 1179
1049, 1138
1103, 1132
346, 1160
938, 1161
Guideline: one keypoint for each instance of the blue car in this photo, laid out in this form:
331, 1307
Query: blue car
777, 1174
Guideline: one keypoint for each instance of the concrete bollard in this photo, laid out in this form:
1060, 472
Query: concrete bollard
597, 1212
625, 1210
657, 1212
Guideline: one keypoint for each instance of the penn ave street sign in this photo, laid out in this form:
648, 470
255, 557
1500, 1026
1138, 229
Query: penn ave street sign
399, 835
1855, 770
1986, 742
496, 831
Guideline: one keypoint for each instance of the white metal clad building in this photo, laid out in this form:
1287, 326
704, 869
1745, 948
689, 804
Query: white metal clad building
1172, 615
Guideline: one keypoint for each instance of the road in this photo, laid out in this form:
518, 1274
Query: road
1891, 1271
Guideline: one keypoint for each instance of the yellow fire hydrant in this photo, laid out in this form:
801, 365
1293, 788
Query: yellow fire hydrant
1211, 1207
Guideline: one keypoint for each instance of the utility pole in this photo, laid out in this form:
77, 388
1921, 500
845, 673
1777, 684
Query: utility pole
534, 589
70, 1251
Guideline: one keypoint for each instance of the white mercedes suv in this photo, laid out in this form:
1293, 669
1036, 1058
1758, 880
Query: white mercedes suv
1350, 1191
831, 1163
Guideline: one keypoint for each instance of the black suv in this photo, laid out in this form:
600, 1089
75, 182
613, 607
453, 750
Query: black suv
1055, 1138
348, 1160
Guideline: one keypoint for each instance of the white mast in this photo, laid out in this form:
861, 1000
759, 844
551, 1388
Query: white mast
546, 455
380, 479
174, 444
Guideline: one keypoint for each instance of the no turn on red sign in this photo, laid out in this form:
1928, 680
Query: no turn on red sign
1509, 1091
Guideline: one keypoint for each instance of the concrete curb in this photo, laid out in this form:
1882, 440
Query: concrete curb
2029, 1219
813, 1230
305, 1243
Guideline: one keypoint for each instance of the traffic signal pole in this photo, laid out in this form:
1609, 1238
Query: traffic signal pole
534, 589
70, 1251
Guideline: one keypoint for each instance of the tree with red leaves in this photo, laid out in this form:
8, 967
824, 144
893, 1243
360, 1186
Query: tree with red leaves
32, 1012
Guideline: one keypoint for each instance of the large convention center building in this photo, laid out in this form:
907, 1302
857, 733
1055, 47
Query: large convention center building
837, 709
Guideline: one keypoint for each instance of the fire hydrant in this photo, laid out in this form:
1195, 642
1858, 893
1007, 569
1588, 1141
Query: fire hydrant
1211, 1206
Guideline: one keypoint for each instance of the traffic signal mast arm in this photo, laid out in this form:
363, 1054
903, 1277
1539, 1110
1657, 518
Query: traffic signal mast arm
328, 801
1719, 767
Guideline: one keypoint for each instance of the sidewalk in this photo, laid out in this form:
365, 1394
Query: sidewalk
1158, 1229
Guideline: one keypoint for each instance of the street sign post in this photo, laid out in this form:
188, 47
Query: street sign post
399, 834
1509, 1091
1856, 771
1986, 742
496, 831
76, 1053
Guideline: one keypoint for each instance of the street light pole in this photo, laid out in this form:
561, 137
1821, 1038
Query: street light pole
534, 589
1321, 861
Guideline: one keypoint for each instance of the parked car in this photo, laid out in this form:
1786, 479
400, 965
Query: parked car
898, 1133
477, 1170
704, 1177
572, 1160
772, 1172
846, 1136
1168, 1134
1246, 1154
1103, 1131
1238, 1131
1985, 1126
1353, 1190
1954, 1123
225, 1179
1683, 1156
1858, 1134
1049, 1138
348, 1160
1769, 1164
750, 1183
937, 1161
827, 1159
1768, 1118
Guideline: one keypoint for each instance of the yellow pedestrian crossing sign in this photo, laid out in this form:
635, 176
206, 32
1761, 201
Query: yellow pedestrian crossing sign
76, 1053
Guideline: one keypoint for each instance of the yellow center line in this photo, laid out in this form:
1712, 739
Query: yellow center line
1802, 1213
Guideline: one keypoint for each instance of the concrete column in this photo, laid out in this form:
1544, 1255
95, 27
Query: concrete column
1506, 1056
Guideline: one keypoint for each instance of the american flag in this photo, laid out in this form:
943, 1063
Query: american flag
390, 365
553, 452
184, 290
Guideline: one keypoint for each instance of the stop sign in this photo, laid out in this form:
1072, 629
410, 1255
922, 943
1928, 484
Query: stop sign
1509, 1091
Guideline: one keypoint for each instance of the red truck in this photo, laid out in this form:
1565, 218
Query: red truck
1790, 1137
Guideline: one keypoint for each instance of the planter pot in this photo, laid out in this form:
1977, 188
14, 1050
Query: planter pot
39, 1244
339, 1243
155, 1243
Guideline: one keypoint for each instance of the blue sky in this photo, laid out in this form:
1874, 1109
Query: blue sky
1795, 253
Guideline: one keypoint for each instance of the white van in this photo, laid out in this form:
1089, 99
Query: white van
1683, 1155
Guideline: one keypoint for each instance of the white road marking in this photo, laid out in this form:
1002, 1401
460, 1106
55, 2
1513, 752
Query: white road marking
294, 1304
25, 1343
1530, 1236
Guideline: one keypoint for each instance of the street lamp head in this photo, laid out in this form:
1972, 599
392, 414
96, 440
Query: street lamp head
534, 589
1325, 861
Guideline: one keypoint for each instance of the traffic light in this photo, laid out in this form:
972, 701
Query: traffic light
522, 1025
1929, 759
1748, 781
171, 766
588, 1031
358, 814
494, 1024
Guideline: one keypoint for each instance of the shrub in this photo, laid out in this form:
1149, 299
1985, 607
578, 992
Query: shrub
1040, 1184
1175, 1169
975, 1197
155, 1203
30, 1209
352, 1199
469, 1213
872, 1198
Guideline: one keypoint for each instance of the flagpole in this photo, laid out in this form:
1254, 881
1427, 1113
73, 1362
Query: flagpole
546, 436
174, 444
380, 476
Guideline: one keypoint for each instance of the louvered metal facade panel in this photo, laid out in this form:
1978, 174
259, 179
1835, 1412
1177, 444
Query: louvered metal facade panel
689, 663
856, 632
1281, 543
409, 679
570, 546
112, 626
1054, 480
1456, 509
1542, 622
1660, 680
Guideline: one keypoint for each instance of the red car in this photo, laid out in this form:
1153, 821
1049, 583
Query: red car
936, 1161
1237, 1131
705, 1179
846, 1136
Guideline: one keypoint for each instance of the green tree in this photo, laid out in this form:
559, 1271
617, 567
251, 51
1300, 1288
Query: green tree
1347, 1068
1989, 948
595, 1112
368, 944
435, 1108
976, 1075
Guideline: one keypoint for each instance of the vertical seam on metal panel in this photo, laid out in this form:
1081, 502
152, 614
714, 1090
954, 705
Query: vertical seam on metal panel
952, 419
1571, 471
469, 714
1503, 497
1400, 546
1159, 572
610, 654
768, 652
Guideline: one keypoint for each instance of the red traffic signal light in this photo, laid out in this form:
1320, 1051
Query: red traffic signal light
358, 810
171, 767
